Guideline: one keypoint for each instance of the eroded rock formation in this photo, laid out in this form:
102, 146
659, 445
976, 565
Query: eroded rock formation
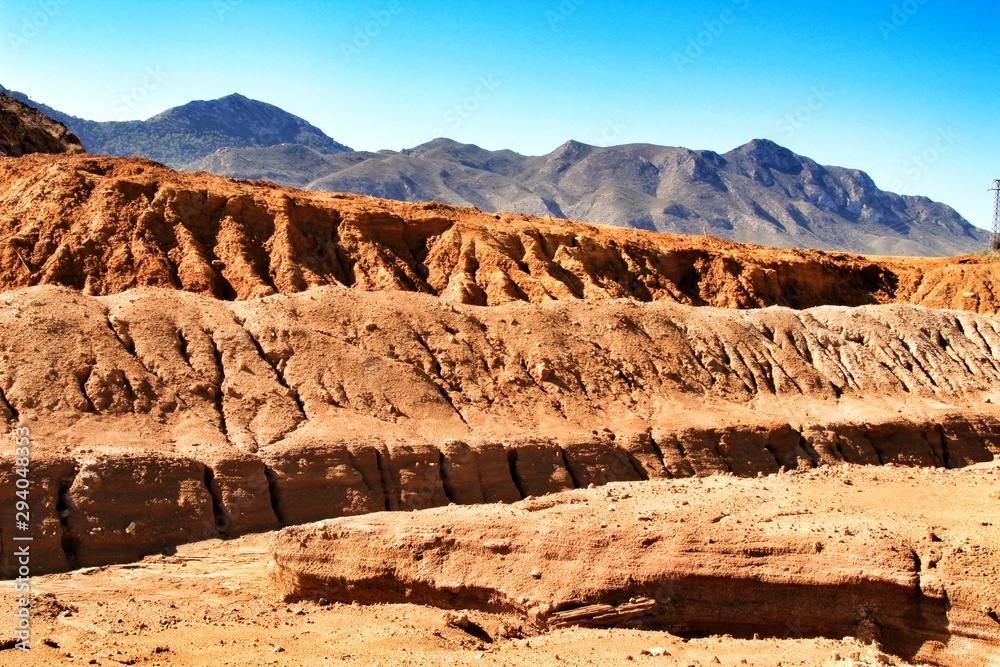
103, 225
161, 416
800, 555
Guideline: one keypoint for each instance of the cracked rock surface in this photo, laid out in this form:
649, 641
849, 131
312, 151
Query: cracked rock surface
163, 416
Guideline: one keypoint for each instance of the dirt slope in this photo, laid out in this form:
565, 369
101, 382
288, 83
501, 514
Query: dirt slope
24, 130
104, 225
211, 604
162, 416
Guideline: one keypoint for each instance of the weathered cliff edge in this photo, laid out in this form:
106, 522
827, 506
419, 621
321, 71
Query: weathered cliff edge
161, 416
905, 560
103, 225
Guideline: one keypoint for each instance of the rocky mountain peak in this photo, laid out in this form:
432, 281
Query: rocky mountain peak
571, 150
766, 153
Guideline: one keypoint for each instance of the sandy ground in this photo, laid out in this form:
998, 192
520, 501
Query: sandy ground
213, 602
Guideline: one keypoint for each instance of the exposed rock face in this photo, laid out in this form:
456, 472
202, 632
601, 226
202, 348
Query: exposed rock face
197, 357
122, 506
103, 225
230, 417
24, 130
49, 478
803, 556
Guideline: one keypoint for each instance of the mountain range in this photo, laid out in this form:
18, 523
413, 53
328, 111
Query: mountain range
758, 193
187, 133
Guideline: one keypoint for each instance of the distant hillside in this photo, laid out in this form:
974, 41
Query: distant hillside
757, 193
181, 135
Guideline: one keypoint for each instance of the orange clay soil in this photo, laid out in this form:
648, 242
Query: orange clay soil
199, 358
104, 225
161, 416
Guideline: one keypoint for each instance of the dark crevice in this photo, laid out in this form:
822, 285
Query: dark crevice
444, 479
129, 390
360, 467
347, 266
67, 542
881, 458
221, 521
782, 465
125, 340
945, 454
14, 414
436, 365
512, 462
680, 449
659, 454
384, 477
639, 469
840, 447
129, 345
276, 367
82, 381
807, 447
434, 360
960, 326
447, 397
565, 461
217, 354
272, 491
182, 343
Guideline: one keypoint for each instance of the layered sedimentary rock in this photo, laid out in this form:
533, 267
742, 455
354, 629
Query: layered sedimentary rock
41, 518
122, 506
830, 553
289, 356
231, 417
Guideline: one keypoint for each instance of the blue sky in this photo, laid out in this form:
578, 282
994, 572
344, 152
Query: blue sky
907, 90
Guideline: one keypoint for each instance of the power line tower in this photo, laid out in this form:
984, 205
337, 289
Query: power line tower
995, 234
